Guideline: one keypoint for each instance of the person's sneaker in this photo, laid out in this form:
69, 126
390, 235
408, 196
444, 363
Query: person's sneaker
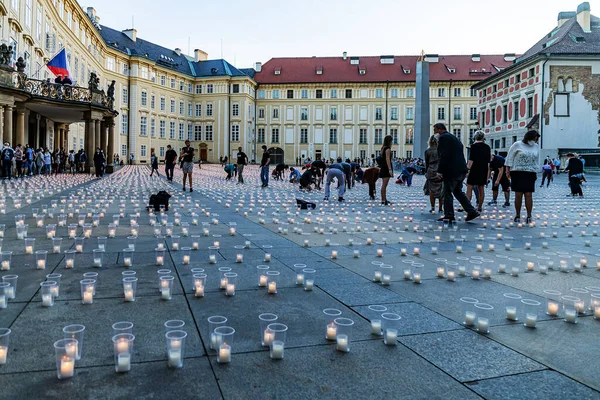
340, 199
506, 204
443, 218
184, 188
191, 190
472, 216
492, 203
326, 198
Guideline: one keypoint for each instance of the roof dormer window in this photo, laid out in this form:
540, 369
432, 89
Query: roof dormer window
405, 70
354, 60
277, 71
319, 70
362, 70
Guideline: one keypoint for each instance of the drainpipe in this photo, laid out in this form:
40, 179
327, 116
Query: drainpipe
229, 121
450, 107
255, 122
542, 102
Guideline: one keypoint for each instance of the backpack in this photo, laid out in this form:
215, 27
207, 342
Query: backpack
8, 154
305, 205
161, 198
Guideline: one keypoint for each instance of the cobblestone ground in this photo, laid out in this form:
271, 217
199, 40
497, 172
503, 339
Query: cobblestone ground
504, 327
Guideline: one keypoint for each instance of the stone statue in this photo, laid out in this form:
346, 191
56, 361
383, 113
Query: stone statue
21, 65
110, 93
93, 82
6, 53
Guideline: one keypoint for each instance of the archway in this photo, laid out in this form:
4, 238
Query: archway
276, 155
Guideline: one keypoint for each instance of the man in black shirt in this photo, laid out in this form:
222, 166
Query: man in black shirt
575, 169
499, 179
187, 156
264, 166
170, 157
242, 160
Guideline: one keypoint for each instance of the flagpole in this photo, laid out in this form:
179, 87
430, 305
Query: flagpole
55, 54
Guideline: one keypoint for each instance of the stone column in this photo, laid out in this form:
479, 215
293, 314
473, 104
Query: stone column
37, 131
8, 124
90, 137
111, 142
104, 139
2, 124
98, 132
20, 132
66, 138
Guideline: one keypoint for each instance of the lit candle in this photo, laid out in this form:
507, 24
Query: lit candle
41, 264
88, 297
342, 343
67, 367
530, 320
3, 354
470, 317
199, 290
262, 281
165, 293
459, 249
462, 271
416, 277
475, 274
451, 275
308, 284
530, 266
127, 261
502, 268
223, 283
483, 325
511, 313
403, 252
175, 246
479, 248
230, 289
552, 309
79, 248
47, 300
267, 257
527, 246
123, 362
307, 243
331, 331
386, 279
597, 312
28, 249
580, 307
224, 353
379, 252
376, 327
416, 251
356, 253
571, 315
407, 274
487, 273
212, 259
272, 287
377, 276
6, 265
440, 272
277, 350
369, 241
268, 337
239, 258
391, 336
299, 279
129, 295
334, 254
491, 247
515, 271
97, 262
434, 250
186, 259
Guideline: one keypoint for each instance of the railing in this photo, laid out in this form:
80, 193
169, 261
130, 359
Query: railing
54, 91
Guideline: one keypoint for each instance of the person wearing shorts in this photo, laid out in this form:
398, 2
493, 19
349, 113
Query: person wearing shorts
187, 166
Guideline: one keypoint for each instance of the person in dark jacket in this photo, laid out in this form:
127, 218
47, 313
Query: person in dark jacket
370, 176
170, 159
154, 164
452, 169
575, 169
99, 161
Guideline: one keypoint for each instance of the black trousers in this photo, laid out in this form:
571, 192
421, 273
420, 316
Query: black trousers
169, 168
575, 186
453, 189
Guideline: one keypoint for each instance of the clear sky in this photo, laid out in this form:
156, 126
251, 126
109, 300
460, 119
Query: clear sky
261, 29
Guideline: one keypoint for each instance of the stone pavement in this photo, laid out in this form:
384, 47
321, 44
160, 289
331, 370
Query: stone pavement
436, 355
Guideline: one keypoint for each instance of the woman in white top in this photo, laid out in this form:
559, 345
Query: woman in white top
522, 165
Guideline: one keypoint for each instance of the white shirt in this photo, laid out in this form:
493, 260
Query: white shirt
523, 157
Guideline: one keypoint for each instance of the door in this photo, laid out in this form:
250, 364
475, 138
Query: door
276, 155
203, 155
318, 154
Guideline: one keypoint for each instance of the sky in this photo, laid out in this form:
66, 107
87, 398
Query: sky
245, 32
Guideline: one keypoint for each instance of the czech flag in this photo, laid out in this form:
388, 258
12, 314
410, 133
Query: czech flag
59, 65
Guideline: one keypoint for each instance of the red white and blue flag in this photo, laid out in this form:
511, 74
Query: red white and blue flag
59, 65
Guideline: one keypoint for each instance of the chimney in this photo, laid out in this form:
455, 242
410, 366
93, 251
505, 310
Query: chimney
583, 16
564, 16
131, 33
344, 55
178, 51
258, 67
200, 55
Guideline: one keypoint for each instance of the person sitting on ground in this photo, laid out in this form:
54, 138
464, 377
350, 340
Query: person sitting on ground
294, 175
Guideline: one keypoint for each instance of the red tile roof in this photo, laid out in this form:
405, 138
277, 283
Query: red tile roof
338, 70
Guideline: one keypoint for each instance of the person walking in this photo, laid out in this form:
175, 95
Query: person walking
170, 158
242, 161
452, 169
187, 157
39, 162
385, 168
522, 167
18, 161
264, 166
99, 162
433, 184
557, 165
154, 164
28, 160
546, 172
575, 169
8, 154
72, 162
479, 168
335, 171
83, 157
499, 178
47, 162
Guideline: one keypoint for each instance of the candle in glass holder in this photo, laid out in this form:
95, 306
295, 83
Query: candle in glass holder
451, 276
342, 343
199, 290
403, 252
407, 274
507, 246
416, 277
434, 250
28, 249
386, 279
186, 259
527, 246
479, 248
272, 287
127, 262
462, 271
499, 236
459, 249
230, 289
331, 331
369, 241
165, 293
67, 367
571, 315
515, 271
267, 257
530, 266
416, 251
475, 274
440, 272
377, 276
334, 254
356, 253
79, 248
47, 300
553, 308
376, 327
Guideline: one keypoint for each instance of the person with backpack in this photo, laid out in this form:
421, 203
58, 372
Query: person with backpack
154, 164
8, 154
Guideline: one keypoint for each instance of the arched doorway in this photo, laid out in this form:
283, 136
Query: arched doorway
276, 155
203, 147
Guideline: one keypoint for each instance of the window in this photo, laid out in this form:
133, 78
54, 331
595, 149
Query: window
260, 137
303, 135
304, 94
275, 94
161, 151
394, 114
514, 139
333, 136
208, 133
144, 98
163, 80
181, 108
235, 110
143, 126
28, 15
494, 88
319, 94
275, 135
378, 114
394, 134
190, 111
123, 150
473, 113
456, 132
496, 143
172, 83
503, 142
209, 110
110, 64
261, 113
457, 113
441, 113
505, 113
125, 69
144, 72
152, 102
518, 78
190, 88
181, 131
516, 111
124, 124
209, 88
473, 93
529, 107
378, 136
190, 135
261, 94
162, 104
408, 153
471, 135
152, 127
333, 93
362, 136
38, 24
304, 114
143, 151
171, 130
290, 94
410, 113
198, 110
172, 105
410, 136
378, 93
561, 104
410, 92
333, 113
531, 72
198, 133
276, 113
198, 89
394, 93
457, 92
235, 88
348, 93
162, 129
235, 133
493, 112
441, 92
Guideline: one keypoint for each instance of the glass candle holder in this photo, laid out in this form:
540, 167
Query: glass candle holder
484, 314
40, 259
11, 291
102, 242
299, 274
48, 288
79, 244
56, 245
69, 259
186, 256
266, 337
231, 283
272, 281
166, 287
129, 288
185, 229
174, 325
161, 273
195, 242
390, 326
224, 339
50, 231
122, 327
570, 308
87, 290
131, 241
199, 284
175, 348
595, 305
112, 230
213, 251
531, 309
29, 245
553, 307
267, 257
213, 323
175, 242
4, 342
4, 288
469, 311
55, 278
98, 257
330, 328
65, 360
223, 281
75, 332
22, 231
128, 257
277, 344
476, 273
6, 260
261, 271
160, 257
87, 231
309, 278
512, 305
123, 349
343, 333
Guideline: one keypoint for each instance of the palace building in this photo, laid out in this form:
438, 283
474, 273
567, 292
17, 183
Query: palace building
553, 87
